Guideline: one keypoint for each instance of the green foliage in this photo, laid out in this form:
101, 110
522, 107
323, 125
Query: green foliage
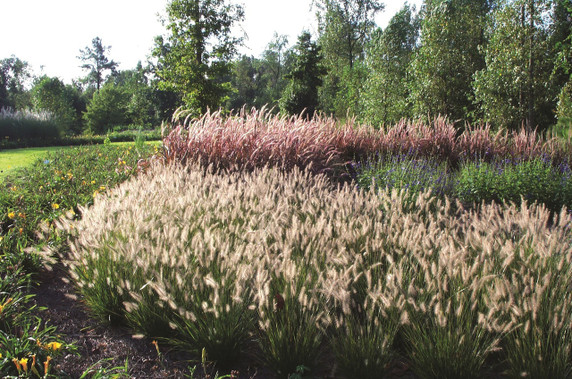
513, 87
305, 76
144, 105
248, 83
364, 348
51, 95
102, 370
385, 97
114, 136
564, 111
276, 60
30, 200
291, 335
13, 74
55, 185
107, 108
444, 64
345, 27
194, 61
23, 337
533, 180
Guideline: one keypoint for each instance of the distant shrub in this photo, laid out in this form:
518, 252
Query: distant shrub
123, 136
535, 180
107, 108
474, 182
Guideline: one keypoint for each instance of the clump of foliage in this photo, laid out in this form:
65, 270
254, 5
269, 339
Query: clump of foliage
55, 185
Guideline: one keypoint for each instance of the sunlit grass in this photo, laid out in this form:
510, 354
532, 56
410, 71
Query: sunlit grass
10, 160
13, 159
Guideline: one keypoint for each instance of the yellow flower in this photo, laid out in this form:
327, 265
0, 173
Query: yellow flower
21, 215
21, 230
54, 346
93, 182
95, 193
12, 215
24, 363
70, 176
55, 206
102, 188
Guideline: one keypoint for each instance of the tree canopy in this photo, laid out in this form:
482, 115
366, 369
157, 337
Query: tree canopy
97, 63
195, 59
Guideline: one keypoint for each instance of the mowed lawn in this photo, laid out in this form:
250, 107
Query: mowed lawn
12, 159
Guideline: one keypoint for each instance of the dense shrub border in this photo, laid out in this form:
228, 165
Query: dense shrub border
473, 182
124, 136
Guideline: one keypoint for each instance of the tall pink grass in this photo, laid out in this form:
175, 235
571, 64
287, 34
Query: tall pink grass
248, 140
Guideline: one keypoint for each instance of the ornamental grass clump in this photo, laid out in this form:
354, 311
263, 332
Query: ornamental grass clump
287, 266
256, 139
248, 140
530, 303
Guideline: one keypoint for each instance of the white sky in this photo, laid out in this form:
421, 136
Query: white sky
50, 33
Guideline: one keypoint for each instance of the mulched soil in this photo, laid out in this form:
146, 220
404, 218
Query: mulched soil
106, 344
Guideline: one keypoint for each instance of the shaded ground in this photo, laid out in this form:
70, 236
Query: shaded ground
108, 345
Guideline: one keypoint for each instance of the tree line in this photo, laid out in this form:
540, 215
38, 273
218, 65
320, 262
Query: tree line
504, 62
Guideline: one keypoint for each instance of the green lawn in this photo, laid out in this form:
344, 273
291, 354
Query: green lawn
16, 158
12, 159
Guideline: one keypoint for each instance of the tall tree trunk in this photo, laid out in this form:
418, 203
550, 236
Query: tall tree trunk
523, 42
530, 120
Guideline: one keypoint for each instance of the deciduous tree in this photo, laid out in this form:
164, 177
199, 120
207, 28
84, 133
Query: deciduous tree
52, 95
305, 77
14, 73
195, 59
386, 93
514, 87
448, 57
345, 27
